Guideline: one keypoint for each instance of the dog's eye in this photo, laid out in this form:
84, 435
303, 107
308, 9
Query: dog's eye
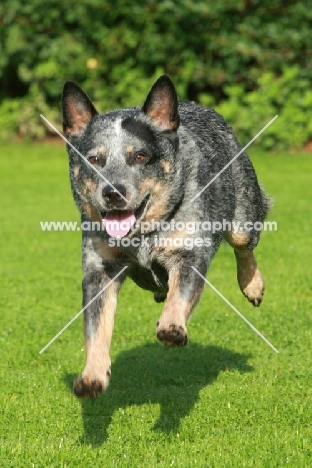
140, 158
94, 160
97, 160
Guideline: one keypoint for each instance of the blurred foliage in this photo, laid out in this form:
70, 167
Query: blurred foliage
288, 95
250, 59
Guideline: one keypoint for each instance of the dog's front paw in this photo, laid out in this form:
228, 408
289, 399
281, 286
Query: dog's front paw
174, 335
86, 387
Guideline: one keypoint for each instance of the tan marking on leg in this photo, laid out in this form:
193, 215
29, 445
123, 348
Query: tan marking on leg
171, 327
248, 275
96, 374
175, 241
166, 165
105, 251
167, 245
237, 239
179, 235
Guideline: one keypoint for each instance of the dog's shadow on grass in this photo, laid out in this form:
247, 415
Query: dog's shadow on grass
153, 374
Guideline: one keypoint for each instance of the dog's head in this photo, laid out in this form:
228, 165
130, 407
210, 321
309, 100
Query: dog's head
123, 163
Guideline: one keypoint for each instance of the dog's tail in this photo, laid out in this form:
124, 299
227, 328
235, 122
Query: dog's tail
267, 202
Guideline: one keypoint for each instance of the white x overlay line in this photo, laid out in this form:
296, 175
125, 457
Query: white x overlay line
232, 160
194, 198
85, 307
82, 156
235, 310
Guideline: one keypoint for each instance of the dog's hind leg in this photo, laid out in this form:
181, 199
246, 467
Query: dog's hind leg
248, 274
183, 295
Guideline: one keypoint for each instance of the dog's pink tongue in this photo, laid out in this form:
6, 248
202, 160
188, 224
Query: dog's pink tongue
118, 223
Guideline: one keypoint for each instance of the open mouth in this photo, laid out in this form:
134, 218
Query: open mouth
119, 222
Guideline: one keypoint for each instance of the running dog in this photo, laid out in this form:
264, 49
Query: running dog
136, 171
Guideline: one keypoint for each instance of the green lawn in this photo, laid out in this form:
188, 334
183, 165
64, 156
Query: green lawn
226, 400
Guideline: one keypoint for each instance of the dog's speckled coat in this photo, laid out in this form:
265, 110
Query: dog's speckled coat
158, 157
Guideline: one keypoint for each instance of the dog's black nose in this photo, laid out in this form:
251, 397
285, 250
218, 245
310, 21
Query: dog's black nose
113, 195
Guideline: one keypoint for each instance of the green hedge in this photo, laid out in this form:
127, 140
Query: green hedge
251, 59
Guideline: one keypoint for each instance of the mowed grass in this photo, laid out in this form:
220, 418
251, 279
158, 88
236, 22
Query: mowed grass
226, 400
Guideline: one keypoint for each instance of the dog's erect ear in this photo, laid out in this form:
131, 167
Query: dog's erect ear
162, 104
77, 109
